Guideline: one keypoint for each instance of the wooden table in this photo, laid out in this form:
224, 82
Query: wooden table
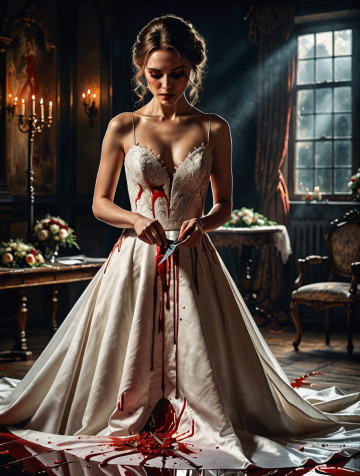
262, 301
23, 278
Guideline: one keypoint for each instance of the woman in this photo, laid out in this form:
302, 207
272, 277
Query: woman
159, 359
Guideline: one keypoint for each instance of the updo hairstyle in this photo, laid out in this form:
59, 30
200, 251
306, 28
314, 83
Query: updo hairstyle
170, 32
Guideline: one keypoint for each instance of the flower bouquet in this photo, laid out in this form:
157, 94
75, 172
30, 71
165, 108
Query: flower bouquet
17, 254
354, 185
52, 232
247, 218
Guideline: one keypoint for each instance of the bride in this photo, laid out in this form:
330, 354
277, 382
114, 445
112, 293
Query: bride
159, 363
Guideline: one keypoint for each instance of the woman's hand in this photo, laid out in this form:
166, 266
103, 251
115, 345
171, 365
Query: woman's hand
149, 231
191, 232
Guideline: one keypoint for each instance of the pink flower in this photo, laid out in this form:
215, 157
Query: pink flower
43, 235
7, 258
30, 259
63, 233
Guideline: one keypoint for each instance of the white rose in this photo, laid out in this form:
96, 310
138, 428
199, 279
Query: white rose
247, 220
63, 233
7, 258
54, 228
30, 259
40, 258
260, 221
38, 228
43, 235
350, 184
8, 249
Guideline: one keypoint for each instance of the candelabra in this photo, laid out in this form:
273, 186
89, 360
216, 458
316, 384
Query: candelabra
11, 106
30, 125
89, 106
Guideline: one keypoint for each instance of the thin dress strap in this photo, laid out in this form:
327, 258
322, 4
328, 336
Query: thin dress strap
209, 128
132, 117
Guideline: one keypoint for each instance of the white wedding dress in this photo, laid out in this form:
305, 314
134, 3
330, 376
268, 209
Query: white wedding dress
181, 332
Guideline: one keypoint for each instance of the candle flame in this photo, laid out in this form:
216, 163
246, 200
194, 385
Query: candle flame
50, 103
33, 97
41, 101
94, 96
23, 101
9, 95
83, 95
88, 91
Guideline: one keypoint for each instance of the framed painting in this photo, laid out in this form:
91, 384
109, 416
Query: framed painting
30, 71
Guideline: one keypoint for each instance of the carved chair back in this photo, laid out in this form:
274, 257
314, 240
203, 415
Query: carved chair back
343, 242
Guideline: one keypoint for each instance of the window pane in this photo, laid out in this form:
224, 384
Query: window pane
324, 100
323, 180
305, 46
305, 72
342, 125
342, 99
305, 127
323, 154
342, 177
323, 125
324, 70
304, 179
343, 69
324, 44
342, 151
305, 101
343, 42
304, 154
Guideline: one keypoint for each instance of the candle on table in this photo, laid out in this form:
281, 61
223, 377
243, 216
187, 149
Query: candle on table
42, 109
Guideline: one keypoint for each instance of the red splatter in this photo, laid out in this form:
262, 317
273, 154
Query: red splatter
301, 381
139, 195
157, 191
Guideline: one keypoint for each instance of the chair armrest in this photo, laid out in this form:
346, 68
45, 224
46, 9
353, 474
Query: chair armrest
302, 262
355, 277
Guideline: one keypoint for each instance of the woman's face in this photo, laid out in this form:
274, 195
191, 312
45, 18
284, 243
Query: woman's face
167, 76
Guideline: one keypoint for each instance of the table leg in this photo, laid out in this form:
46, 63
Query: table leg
20, 350
54, 302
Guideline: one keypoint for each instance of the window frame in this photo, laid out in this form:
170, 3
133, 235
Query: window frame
318, 27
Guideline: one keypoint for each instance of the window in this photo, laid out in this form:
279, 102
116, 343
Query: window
323, 122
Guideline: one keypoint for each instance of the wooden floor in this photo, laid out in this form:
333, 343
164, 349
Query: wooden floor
314, 356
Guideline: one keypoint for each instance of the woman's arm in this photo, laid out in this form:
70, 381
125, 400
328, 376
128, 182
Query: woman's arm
221, 184
104, 208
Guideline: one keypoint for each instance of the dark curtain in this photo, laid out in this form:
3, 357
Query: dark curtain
271, 30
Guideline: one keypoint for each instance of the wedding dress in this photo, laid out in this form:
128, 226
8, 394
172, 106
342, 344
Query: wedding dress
176, 336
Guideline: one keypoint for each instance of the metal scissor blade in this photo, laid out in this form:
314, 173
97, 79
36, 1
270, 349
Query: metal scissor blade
170, 250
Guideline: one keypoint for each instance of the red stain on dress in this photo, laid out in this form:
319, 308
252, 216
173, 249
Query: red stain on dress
117, 245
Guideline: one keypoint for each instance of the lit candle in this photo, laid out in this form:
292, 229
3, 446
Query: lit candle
16, 100
83, 95
50, 110
33, 104
10, 99
88, 92
42, 109
94, 96
23, 107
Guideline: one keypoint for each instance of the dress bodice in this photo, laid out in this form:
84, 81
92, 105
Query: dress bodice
171, 199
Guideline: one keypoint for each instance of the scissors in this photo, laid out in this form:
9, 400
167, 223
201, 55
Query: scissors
172, 245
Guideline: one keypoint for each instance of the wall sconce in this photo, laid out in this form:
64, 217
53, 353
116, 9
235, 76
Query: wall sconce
11, 106
89, 106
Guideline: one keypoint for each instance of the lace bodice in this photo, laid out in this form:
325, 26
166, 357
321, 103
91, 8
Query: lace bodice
169, 199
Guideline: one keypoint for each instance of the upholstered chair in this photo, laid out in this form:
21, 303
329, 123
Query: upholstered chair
343, 242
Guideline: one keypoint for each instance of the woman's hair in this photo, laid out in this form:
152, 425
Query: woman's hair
170, 32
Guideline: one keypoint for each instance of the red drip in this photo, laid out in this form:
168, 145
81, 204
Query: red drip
194, 262
210, 248
120, 404
157, 191
139, 195
300, 381
117, 245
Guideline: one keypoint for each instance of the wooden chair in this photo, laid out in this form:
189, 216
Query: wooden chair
343, 242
